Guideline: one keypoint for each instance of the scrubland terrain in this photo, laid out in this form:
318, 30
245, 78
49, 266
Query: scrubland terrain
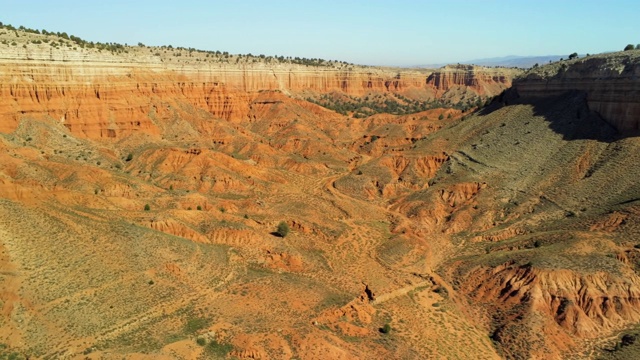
139, 202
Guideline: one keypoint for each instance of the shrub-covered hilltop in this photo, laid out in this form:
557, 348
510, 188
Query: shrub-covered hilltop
58, 39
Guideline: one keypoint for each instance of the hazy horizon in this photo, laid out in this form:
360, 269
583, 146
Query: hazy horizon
400, 33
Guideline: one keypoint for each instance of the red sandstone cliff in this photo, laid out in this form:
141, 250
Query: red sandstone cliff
105, 95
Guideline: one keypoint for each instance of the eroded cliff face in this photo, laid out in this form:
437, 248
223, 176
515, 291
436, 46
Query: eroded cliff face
610, 81
486, 81
562, 305
100, 95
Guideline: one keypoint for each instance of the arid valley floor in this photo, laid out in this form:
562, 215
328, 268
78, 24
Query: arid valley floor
488, 213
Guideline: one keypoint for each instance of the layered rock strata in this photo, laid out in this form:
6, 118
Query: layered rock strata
105, 96
610, 81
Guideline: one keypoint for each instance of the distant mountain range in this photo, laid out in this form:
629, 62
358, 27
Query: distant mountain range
516, 61
508, 61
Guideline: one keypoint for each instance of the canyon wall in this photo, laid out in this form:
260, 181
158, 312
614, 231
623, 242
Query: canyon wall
610, 81
105, 95
485, 81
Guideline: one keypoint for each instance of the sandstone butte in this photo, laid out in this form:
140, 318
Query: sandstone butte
140, 192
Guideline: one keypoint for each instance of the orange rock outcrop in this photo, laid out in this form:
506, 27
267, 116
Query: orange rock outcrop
484, 81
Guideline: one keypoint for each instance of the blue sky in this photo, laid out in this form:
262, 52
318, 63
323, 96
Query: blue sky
375, 32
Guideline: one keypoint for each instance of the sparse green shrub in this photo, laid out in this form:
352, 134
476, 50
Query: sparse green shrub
201, 341
198, 207
283, 229
385, 329
628, 340
219, 350
440, 117
195, 324
147, 207
129, 157
442, 291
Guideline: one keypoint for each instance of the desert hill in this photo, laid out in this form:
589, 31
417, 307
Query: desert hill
140, 195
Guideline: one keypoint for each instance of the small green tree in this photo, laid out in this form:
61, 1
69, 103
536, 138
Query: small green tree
283, 229
147, 207
385, 329
638, 47
628, 47
199, 207
628, 340
573, 56
129, 157
440, 117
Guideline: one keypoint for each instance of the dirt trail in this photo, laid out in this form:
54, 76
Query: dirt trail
400, 292
10, 281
